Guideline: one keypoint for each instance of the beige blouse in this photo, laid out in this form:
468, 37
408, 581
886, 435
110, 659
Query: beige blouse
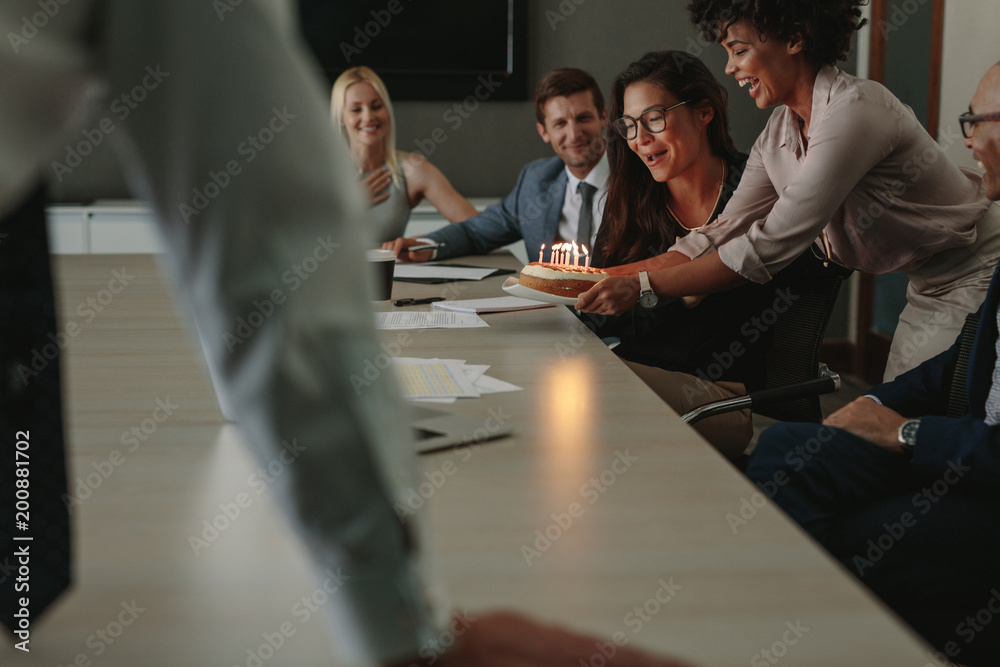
886, 193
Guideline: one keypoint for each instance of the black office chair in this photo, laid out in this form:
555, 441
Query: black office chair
795, 377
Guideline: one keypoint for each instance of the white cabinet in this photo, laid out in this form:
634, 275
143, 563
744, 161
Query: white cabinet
129, 227
113, 227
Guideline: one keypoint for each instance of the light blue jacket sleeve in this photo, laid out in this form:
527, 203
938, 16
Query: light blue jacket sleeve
494, 228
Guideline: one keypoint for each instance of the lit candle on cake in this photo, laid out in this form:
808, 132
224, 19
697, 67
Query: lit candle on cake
586, 256
541, 252
576, 254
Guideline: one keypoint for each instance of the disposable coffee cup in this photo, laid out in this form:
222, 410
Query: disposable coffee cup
384, 262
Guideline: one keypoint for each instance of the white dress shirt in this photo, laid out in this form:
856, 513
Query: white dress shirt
569, 217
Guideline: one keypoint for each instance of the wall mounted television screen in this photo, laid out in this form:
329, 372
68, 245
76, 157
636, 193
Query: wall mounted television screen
424, 49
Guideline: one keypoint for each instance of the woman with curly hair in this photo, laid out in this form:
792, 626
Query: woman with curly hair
842, 166
395, 181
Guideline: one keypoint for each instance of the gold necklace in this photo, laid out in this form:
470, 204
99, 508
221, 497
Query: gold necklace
718, 198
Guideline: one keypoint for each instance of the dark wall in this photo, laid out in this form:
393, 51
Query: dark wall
482, 147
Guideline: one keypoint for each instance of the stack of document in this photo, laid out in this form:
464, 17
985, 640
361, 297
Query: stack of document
441, 272
444, 380
499, 304
425, 319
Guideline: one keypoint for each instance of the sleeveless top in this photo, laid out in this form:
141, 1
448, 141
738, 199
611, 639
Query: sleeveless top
388, 218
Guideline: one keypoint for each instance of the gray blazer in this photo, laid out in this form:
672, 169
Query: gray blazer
530, 212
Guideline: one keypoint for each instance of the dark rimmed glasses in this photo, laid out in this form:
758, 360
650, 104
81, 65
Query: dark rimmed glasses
654, 120
968, 120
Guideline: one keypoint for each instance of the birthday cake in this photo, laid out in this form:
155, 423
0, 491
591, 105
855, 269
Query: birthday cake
560, 279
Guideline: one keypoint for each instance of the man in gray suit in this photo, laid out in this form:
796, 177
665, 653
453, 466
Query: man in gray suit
556, 199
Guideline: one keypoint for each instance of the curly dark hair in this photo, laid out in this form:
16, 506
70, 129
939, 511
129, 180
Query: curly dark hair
825, 25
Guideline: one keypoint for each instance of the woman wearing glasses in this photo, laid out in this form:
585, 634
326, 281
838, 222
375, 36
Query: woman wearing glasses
843, 164
395, 181
673, 168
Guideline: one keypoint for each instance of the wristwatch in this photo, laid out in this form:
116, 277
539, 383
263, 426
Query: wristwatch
647, 297
908, 435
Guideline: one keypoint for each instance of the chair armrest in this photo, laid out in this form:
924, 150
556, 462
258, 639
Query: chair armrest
827, 382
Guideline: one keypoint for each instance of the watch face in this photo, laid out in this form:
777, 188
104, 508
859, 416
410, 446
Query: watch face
908, 432
648, 299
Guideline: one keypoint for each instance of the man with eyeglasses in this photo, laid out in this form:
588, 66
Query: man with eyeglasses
557, 199
907, 498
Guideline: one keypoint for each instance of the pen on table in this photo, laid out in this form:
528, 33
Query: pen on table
426, 246
417, 302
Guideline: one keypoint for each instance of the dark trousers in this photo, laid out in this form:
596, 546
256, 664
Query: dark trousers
928, 547
31, 429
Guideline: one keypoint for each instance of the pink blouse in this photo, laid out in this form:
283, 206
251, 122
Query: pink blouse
886, 193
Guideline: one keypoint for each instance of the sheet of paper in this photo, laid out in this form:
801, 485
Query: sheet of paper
424, 319
474, 372
448, 272
499, 304
490, 385
433, 378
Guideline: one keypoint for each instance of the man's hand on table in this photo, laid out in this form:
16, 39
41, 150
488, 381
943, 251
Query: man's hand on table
399, 247
509, 640
612, 296
867, 419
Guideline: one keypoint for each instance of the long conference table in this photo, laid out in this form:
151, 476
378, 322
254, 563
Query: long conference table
602, 512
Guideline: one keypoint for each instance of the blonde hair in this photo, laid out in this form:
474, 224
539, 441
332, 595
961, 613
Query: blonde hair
337, 99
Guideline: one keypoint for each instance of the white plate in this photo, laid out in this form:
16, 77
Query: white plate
513, 287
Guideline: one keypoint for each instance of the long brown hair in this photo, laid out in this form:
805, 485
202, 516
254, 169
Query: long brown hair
636, 223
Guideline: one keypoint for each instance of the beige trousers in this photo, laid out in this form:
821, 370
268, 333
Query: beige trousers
730, 433
942, 291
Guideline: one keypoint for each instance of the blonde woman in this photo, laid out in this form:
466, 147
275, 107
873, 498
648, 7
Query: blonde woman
395, 181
